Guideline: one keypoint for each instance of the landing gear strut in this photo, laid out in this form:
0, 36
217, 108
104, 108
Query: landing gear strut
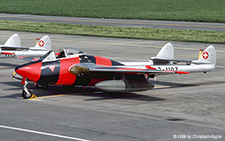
26, 93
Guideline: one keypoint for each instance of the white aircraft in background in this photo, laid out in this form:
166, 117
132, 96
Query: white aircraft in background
12, 48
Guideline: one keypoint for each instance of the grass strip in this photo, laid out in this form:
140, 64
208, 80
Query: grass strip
179, 10
118, 32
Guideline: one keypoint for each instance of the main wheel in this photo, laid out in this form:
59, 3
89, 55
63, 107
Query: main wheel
26, 95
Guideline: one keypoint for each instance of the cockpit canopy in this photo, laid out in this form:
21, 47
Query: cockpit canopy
65, 52
70, 52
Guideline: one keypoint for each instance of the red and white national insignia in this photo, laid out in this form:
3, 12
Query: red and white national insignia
205, 55
52, 68
41, 43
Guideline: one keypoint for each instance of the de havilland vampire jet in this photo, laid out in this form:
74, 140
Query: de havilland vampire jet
12, 48
74, 67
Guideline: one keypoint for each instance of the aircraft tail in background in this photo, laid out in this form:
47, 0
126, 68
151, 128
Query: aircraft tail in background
13, 41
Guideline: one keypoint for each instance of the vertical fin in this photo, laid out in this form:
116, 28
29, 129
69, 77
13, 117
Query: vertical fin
167, 52
164, 56
209, 54
13, 41
44, 43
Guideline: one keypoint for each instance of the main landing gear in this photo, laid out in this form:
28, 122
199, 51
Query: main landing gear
26, 93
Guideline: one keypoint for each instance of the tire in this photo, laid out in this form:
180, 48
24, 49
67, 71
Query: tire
26, 95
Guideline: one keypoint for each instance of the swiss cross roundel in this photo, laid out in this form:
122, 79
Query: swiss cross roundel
41, 43
205, 55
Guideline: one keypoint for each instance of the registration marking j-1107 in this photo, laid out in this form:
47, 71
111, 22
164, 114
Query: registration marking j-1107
167, 68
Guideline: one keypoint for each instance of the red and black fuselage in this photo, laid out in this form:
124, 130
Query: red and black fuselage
57, 71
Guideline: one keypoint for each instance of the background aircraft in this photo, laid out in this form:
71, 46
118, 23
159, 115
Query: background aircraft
12, 48
74, 67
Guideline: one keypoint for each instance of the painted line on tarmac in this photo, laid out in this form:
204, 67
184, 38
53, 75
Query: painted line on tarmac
160, 87
57, 95
42, 133
1, 67
50, 96
223, 67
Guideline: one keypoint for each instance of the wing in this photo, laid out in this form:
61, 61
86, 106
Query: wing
5, 54
13, 48
159, 61
89, 68
28, 58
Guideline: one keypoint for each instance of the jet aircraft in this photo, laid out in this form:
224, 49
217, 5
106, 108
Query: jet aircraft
75, 67
12, 48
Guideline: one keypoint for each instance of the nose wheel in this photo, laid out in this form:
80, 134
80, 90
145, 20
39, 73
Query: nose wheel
26, 93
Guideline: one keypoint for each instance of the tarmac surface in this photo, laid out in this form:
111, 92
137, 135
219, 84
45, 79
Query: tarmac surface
186, 107
117, 22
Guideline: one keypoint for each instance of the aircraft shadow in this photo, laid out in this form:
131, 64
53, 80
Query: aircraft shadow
90, 92
17, 85
175, 85
8, 65
17, 88
128, 96
169, 85
94, 94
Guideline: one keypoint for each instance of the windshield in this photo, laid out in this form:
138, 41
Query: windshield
48, 56
64, 52
73, 51
70, 52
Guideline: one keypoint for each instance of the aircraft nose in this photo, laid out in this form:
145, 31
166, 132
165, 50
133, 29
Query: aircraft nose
32, 71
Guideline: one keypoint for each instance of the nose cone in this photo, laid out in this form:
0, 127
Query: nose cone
32, 71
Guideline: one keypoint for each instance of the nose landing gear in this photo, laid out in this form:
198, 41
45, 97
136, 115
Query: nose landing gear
26, 93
